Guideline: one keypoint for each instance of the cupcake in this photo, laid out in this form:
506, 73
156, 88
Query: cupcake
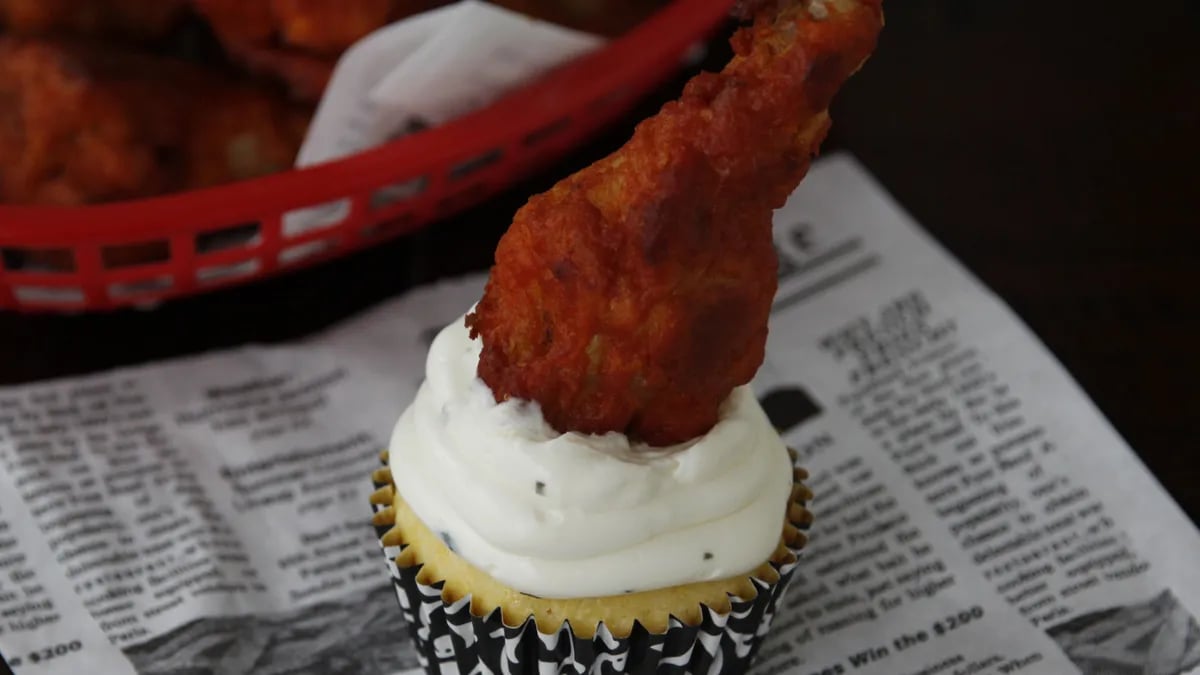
584, 481
513, 545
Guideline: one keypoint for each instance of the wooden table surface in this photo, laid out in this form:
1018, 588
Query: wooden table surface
1055, 150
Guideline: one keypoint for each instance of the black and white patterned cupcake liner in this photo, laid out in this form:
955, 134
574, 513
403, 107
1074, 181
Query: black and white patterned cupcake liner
452, 641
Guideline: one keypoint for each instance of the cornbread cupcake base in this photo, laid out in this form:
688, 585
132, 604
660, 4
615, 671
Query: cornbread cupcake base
451, 638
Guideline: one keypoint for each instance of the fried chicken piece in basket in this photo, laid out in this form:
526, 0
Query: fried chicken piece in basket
242, 133
69, 137
330, 26
634, 295
318, 26
87, 123
139, 19
299, 41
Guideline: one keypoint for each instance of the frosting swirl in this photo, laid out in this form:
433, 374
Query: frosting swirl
573, 515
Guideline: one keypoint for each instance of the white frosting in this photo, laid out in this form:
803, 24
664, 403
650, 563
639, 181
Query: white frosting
573, 515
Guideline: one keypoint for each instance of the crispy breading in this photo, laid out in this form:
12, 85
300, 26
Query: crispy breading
330, 25
83, 123
322, 26
634, 295
299, 41
122, 18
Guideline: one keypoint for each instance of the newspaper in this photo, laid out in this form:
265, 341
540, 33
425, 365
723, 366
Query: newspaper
975, 513
422, 72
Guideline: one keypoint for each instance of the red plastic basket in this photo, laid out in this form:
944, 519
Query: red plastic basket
142, 252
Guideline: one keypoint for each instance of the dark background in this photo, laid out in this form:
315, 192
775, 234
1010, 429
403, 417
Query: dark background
1054, 147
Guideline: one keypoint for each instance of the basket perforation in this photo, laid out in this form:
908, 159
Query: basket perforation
6, 292
90, 274
183, 254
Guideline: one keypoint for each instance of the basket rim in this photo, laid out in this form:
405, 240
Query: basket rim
520, 112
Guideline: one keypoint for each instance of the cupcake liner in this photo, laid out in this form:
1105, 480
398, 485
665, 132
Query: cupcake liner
450, 639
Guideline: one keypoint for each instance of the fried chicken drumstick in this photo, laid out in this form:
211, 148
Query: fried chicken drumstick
634, 295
